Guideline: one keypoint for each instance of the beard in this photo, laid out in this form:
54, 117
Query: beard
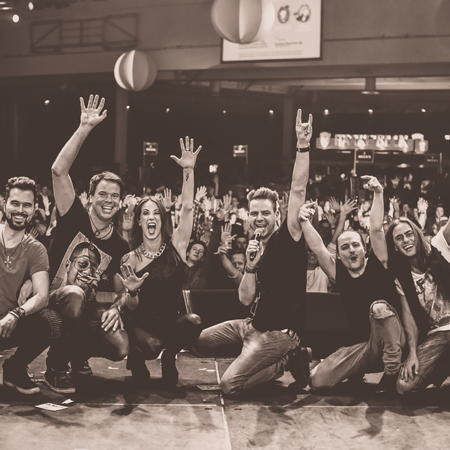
15, 227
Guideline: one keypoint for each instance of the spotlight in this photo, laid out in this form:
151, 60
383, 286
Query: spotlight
326, 112
15, 18
370, 111
31, 6
447, 137
423, 110
271, 112
47, 102
224, 111
167, 110
128, 107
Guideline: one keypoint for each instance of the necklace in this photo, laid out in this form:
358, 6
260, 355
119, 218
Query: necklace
149, 255
99, 230
8, 261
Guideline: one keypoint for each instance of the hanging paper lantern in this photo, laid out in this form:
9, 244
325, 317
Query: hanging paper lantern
242, 21
135, 71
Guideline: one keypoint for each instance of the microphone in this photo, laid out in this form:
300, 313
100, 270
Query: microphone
257, 237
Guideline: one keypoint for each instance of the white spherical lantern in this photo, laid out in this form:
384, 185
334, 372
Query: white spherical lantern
242, 21
135, 71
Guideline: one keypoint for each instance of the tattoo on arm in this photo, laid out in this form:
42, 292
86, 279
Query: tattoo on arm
125, 258
187, 176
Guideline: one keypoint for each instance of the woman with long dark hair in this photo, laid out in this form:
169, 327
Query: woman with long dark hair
423, 282
153, 274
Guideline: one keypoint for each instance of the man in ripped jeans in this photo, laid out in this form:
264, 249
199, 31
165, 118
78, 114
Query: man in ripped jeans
369, 295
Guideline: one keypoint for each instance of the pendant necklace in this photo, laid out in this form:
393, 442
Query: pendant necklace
8, 261
99, 230
149, 255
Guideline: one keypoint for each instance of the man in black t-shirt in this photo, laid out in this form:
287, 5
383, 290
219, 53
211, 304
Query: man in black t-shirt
368, 292
274, 283
84, 260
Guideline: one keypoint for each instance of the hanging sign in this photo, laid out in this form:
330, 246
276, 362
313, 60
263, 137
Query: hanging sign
296, 34
240, 151
151, 148
364, 156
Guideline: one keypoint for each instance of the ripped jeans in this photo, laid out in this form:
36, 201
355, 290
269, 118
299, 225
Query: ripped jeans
383, 351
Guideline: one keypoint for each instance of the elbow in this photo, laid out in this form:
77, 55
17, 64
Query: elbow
43, 300
56, 171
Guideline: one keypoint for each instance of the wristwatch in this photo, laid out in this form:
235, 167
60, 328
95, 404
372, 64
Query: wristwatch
304, 149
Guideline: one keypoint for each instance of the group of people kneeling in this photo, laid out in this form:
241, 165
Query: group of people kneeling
106, 301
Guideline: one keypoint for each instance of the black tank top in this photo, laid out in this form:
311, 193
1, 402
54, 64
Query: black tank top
160, 293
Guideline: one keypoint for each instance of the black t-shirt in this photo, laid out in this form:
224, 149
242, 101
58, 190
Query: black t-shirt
282, 283
357, 294
68, 229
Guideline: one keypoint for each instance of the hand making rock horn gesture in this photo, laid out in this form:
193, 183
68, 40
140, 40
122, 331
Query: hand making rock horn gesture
303, 130
188, 156
92, 114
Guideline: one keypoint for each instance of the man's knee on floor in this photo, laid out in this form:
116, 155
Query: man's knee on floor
319, 381
71, 305
229, 387
381, 310
405, 387
193, 320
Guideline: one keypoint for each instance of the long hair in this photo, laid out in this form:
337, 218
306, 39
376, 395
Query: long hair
166, 223
399, 263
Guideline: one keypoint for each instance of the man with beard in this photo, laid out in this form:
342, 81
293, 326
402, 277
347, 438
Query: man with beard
100, 325
369, 295
274, 283
24, 324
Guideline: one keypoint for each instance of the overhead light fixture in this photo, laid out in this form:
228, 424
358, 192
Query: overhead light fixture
371, 86
447, 137
326, 112
370, 111
47, 102
224, 111
128, 107
167, 110
423, 110
30, 6
271, 112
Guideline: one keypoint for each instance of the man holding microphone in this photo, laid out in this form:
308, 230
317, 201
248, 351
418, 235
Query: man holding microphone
274, 284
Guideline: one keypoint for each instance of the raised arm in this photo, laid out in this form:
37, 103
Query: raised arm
62, 184
182, 234
376, 231
300, 175
422, 207
314, 241
344, 210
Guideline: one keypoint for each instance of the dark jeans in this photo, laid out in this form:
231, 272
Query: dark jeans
32, 335
83, 336
148, 339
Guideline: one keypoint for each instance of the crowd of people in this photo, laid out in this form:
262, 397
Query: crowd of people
100, 273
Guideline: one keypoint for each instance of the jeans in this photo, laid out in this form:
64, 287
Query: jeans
32, 335
83, 336
434, 363
383, 351
263, 357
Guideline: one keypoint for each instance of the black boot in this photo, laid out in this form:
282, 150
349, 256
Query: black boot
169, 369
139, 371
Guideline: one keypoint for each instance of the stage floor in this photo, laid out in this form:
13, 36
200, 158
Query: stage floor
110, 413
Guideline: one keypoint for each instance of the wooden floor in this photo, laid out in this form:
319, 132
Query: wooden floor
110, 413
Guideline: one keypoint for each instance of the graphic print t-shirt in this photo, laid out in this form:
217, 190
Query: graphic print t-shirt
67, 235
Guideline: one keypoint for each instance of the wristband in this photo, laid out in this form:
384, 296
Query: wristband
18, 312
133, 293
248, 269
304, 149
118, 307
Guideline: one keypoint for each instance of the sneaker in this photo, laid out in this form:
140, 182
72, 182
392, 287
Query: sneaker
60, 382
18, 379
387, 383
298, 365
82, 369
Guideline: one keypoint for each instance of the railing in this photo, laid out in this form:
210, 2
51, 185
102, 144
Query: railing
111, 32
